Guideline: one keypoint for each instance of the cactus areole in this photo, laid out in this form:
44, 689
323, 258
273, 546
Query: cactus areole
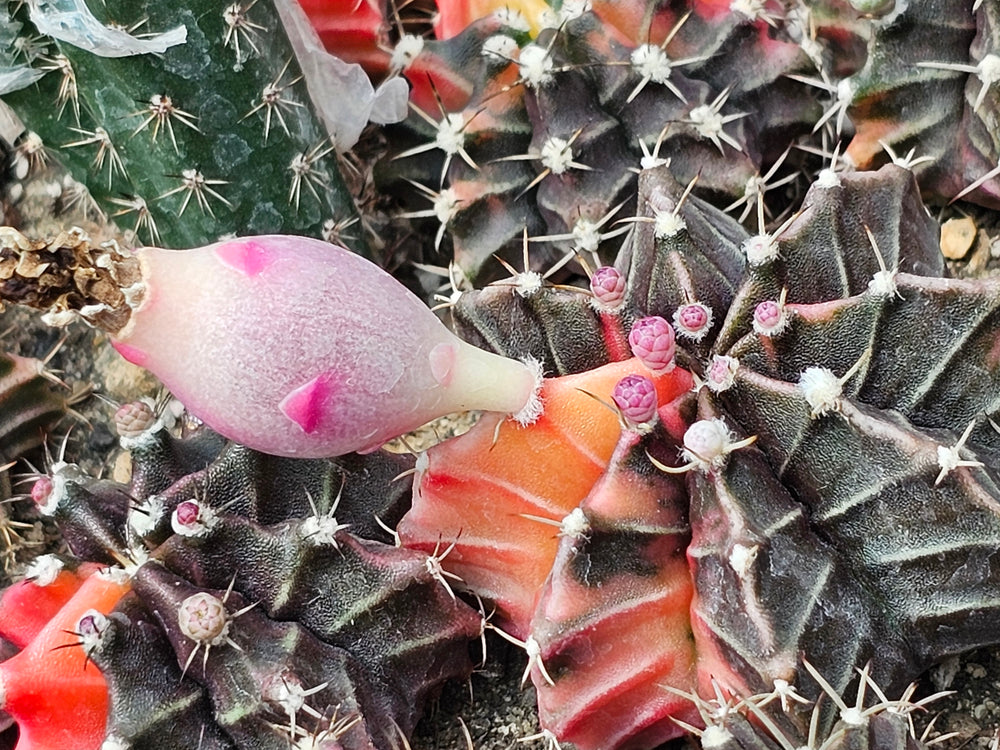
301, 348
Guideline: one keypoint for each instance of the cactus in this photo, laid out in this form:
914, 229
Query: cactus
764, 456
209, 137
328, 647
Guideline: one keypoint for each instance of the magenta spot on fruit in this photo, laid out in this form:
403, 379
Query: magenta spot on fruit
635, 396
41, 490
306, 404
652, 341
133, 354
442, 360
246, 256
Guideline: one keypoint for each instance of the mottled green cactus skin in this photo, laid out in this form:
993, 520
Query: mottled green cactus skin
203, 78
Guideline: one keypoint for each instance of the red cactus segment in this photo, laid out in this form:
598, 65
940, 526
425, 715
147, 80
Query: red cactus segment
476, 489
613, 620
26, 607
57, 697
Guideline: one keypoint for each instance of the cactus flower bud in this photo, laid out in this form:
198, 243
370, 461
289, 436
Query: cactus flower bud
635, 395
608, 287
693, 320
652, 341
297, 347
770, 318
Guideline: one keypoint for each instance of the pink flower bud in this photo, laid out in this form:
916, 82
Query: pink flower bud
693, 320
41, 490
608, 286
203, 618
652, 341
132, 420
635, 395
769, 318
191, 518
296, 347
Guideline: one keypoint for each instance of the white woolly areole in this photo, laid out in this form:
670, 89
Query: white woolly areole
450, 136
114, 574
827, 179
707, 121
715, 736
322, 530
988, 70
409, 47
556, 154
575, 525
445, 205
948, 458
760, 249
535, 65
43, 570
534, 407
883, 283
752, 9
822, 390
586, 235
668, 224
527, 283
144, 517
651, 62
499, 48
112, 742
741, 558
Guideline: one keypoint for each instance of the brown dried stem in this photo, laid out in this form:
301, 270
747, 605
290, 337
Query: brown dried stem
68, 274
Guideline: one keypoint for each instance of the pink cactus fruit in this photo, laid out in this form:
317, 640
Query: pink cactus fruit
652, 341
486, 489
59, 698
613, 623
297, 347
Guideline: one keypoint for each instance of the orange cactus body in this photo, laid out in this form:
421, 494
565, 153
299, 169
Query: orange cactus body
486, 490
613, 622
58, 698
26, 607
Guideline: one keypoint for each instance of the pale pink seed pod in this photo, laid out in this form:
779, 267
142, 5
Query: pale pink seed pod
297, 347
635, 396
652, 341
769, 318
693, 321
608, 287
